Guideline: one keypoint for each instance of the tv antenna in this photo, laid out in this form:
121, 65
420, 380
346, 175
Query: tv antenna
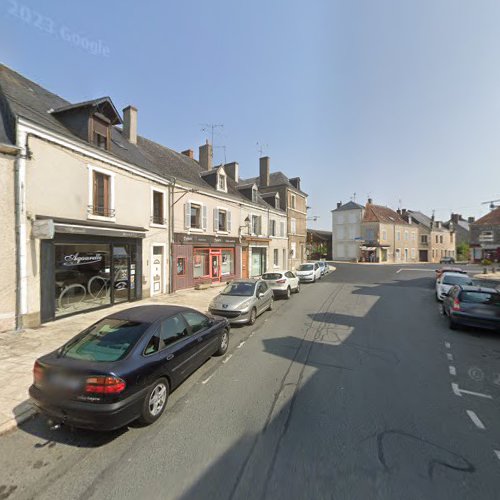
224, 148
353, 197
210, 127
491, 202
261, 148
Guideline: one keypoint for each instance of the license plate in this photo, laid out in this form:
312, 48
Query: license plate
65, 382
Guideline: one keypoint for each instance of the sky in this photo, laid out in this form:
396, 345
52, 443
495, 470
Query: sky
398, 100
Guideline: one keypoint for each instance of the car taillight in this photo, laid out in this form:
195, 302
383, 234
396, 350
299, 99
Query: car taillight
38, 373
104, 385
281, 281
456, 305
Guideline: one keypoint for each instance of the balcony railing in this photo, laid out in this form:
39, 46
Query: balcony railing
101, 211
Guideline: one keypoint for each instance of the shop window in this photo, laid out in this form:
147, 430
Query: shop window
227, 262
158, 216
201, 261
276, 257
101, 195
181, 266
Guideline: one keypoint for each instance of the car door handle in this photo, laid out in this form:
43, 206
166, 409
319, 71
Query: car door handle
169, 357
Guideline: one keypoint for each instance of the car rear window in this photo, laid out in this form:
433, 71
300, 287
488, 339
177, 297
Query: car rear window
271, 276
306, 267
480, 298
456, 280
108, 340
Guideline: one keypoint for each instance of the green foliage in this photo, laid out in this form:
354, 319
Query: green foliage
463, 251
486, 262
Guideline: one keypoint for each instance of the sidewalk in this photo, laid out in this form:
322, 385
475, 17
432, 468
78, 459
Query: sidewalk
19, 350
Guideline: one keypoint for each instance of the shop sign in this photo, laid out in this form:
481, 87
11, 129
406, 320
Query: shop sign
77, 260
204, 239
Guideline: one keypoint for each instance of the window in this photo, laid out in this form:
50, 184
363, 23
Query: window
173, 329
486, 236
384, 235
440, 239
398, 235
101, 195
370, 234
254, 194
423, 239
227, 262
200, 263
196, 320
293, 226
221, 182
437, 238
158, 216
101, 141
272, 229
406, 235
196, 216
292, 201
181, 266
412, 253
99, 133
282, 229
256, 224
277, 201
413, 236
276, 257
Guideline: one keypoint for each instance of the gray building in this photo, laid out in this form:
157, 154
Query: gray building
485, 237
346, 231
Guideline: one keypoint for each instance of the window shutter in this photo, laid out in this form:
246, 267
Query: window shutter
282, 229
260, 225
228, 221
204, 220
187, 215
216, 219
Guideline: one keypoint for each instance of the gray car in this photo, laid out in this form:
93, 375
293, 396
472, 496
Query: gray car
242, 301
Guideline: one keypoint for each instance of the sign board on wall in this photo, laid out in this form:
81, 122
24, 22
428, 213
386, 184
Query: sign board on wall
43, 229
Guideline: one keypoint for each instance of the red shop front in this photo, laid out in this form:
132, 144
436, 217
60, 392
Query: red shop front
200, 259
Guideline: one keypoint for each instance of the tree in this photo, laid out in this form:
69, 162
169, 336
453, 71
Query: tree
463, 251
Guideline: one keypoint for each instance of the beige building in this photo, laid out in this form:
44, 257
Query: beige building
8, 154
435, 240
387, 237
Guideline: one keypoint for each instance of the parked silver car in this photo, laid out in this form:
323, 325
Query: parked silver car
282, 283
242, 301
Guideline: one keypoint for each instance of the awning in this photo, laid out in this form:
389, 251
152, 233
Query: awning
368, 249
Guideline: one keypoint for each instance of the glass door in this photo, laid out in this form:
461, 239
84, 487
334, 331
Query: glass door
121, 273
215, 265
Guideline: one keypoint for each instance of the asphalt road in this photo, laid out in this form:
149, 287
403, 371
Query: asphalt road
352, 389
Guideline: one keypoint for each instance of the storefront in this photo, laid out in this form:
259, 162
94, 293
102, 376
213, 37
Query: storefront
255, 256
87, 267
204, 259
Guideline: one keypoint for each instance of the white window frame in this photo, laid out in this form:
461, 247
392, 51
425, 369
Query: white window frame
222, 176
273, 227
293, 201
293, 225
164, 214
203, 217
276, 258
259, 217
254, 194
217, 211
277, 201
111, 175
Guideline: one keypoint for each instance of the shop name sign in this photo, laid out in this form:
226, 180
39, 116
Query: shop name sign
208, 239
76, 259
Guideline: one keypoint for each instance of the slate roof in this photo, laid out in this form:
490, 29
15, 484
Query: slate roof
378, 213
275, 179
350, 205
490, 219
20, 97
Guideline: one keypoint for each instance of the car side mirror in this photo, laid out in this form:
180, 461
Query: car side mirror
260, 295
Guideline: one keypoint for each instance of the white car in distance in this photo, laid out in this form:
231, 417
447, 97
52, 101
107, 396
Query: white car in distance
448, 280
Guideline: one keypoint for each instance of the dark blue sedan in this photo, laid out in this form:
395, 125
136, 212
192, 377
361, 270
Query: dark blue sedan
123, 367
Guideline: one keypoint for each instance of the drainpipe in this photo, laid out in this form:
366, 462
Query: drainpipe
21, 230
171, 236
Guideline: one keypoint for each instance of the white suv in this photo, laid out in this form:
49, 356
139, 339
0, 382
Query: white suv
282, 282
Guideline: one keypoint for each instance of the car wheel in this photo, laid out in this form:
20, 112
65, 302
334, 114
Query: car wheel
270, 308
224, 343
451, 324
253, 316
297, 290
314, 279
155, 402
288, 293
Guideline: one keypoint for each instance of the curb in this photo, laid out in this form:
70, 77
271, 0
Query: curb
14, 422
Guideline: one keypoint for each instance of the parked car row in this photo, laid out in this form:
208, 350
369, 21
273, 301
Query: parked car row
465, 303
123, 367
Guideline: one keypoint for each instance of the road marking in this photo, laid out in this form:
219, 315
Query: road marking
458, 392
414, 269
453, 370
227, 358
240, 344
475, 419
447, 345
476, 374
449, 356
207, 379
497, 453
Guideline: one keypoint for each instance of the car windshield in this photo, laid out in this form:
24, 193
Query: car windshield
306, 267
271, 276
481, 298
239, 289
107, 340
456, 280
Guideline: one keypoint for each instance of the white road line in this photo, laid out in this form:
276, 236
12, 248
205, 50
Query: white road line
475, 419
241, 344
447, 345
453, 370
227, 358
449, 356
497, 453
414, 269
207, 379
458, 392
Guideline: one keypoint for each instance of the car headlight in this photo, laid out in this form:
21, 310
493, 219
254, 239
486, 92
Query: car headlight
245, 304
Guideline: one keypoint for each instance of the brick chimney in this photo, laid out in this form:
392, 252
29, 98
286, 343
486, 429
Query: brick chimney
370, 201
233, 170
206, 156
339, 204
470, 220
130, 124
265, 171
189, 153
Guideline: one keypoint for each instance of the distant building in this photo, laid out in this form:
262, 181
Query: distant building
461, 227
485, 237
346, 231
319, 244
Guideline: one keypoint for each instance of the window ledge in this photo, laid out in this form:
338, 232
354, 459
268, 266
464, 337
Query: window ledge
163, 226
222, 232
195, 230
101, 217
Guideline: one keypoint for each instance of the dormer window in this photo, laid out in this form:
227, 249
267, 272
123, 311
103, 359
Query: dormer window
222, 182
254, 194
99, 132
277, 201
